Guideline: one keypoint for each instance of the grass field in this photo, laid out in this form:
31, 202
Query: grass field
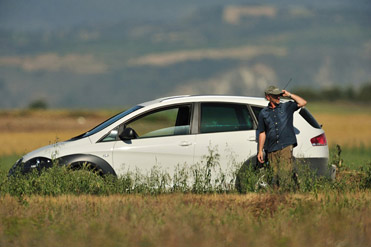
188, 220
72, 209
345, 124
24, 131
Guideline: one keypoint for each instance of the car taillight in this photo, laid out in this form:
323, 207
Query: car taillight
319, 140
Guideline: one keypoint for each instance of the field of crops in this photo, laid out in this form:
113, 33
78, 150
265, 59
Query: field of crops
63, 207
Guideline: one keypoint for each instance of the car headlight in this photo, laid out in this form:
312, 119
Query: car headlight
38, 163
15, 167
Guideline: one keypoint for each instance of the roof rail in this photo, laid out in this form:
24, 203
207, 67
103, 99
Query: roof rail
173, 97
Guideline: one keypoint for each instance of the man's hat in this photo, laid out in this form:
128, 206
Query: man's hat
273, 90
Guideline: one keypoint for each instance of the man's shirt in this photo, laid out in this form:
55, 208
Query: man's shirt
278, 125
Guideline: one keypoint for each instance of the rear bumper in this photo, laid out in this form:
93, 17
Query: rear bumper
319, 165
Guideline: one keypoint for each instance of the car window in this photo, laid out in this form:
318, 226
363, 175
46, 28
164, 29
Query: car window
309, 118
166, 122
220, 117
256, 110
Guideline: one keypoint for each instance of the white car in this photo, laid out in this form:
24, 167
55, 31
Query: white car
179, 130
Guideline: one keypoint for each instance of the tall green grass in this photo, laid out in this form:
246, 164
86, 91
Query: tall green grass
351, 158
201, 178
198, 179
6, 161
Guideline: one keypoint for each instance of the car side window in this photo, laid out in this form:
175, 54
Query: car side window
221, 117
256, 110
165, 122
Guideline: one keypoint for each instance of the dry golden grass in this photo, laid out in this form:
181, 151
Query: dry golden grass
351, 130
187, 220
24, 142
22, 132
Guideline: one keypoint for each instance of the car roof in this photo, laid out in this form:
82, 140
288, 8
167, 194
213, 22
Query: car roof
207, 98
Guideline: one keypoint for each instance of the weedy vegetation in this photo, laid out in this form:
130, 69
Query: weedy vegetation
206, 177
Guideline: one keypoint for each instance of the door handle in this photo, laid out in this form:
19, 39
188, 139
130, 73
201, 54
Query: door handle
252, 138
185, 144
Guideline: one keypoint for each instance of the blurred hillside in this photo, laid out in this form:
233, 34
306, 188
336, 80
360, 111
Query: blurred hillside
83, 54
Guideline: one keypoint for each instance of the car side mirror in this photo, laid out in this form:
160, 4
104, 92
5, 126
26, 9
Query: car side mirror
128, 134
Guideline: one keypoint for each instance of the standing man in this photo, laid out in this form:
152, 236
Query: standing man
276, 130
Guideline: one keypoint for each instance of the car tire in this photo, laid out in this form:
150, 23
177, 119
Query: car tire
87, 166
243, 176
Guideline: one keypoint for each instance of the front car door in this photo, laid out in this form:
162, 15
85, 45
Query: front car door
164, 139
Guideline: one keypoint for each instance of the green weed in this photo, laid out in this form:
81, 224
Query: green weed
204, 177
366, 181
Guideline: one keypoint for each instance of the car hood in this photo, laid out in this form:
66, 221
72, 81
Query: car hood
57, 150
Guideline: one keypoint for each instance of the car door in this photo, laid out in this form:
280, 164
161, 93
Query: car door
228, 131
163, 139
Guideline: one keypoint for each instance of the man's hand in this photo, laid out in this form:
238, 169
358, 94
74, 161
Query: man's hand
299, 100
261, 157
286, 93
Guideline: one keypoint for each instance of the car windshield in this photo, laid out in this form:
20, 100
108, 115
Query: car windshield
107, 123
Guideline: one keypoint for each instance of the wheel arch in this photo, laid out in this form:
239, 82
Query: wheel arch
80, 159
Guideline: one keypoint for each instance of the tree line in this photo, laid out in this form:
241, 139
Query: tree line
361, 94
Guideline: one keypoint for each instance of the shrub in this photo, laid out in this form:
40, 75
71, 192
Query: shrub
201, 178
39, 104
366, 181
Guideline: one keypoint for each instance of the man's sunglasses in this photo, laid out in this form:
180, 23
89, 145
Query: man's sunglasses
275, 96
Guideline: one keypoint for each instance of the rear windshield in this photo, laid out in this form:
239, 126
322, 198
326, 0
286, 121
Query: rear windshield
309, 118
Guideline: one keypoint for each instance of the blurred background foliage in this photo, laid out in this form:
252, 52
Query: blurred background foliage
348, 93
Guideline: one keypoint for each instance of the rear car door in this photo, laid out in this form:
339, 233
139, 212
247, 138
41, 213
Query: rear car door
228, 130
164, 140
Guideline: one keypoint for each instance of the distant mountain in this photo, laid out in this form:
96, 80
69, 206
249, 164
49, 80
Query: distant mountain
84, 54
